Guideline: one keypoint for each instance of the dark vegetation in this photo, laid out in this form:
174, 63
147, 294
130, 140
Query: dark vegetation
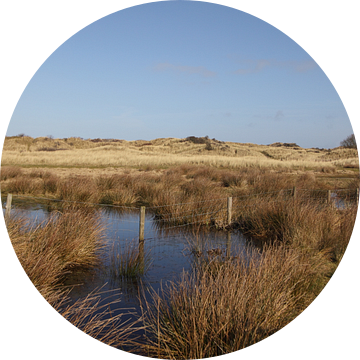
349, 142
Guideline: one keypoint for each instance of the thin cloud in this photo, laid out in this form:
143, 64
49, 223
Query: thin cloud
279, 115
255, 66
184, 69
299, 66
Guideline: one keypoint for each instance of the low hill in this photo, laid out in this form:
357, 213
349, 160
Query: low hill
164, 152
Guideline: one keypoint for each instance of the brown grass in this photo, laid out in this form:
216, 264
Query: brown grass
48, 251
93, 315
230, 305
129, 261
231, 302
164, 153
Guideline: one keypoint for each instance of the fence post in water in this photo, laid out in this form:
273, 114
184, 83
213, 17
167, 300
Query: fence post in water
329, 197
8, 207
142, 223
229, 207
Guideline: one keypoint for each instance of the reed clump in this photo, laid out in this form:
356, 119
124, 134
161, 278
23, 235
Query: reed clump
53, 248
304, 221
10, 172
231, 302
129, 260
49, 251
229, 305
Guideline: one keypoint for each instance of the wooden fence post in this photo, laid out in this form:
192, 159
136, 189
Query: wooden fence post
8, 207
329, 196
229, 208
142, 223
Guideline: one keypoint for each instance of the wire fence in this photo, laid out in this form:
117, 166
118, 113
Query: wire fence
125, 220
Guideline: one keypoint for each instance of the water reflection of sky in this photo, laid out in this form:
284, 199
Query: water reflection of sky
170, 251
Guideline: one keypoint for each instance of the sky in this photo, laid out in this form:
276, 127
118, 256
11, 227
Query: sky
178, 69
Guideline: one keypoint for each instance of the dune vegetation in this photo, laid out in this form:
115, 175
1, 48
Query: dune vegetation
226, 302
163, 153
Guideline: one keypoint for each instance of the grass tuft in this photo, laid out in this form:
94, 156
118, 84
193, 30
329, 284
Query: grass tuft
129, 260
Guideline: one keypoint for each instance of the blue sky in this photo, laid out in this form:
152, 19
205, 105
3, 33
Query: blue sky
175, 69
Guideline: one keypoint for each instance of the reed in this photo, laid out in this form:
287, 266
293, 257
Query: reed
10, 172
231, 302
303, 220
229, 305
96, 315
51, 249
129, 260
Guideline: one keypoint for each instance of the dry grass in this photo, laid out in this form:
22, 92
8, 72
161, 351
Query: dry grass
230, 305
303, 222
129, 260
230, 302
179, 195
93, 315
160, 153
50, 250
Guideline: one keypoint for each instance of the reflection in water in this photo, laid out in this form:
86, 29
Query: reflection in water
172, 251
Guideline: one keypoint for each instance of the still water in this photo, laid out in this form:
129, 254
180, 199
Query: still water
170, 252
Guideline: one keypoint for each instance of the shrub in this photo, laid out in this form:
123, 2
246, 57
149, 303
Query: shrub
197, 140
349, 142
208, 146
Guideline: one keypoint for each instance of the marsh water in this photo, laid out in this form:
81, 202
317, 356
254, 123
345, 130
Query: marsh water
169, 250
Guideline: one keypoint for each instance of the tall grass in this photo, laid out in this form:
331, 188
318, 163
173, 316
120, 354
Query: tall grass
129, 260
229, 305
230, 302
303, 222
93, 315
51, 249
